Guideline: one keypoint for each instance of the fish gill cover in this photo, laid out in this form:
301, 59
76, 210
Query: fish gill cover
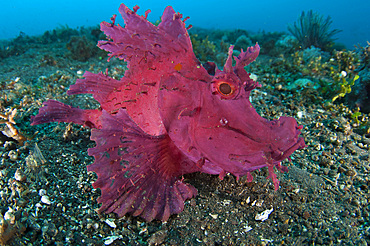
169, 116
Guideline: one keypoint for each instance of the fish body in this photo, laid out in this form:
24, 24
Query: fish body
168, 116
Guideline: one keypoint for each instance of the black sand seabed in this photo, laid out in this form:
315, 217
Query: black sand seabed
47, 197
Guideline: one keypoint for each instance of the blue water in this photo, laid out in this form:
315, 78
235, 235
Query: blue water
37, 16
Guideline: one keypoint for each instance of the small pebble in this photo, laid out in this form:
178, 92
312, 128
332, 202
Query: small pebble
20, 175
13, 155
259, 203
21, 202
3, 173
8, 145
2, 194
9, 216
278, 87
45, 200
42, 192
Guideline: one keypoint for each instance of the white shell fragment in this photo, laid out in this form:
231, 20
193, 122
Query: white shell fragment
253, 76
110, 223
214, 216
247, 228
264, 215
45, 200
110, 239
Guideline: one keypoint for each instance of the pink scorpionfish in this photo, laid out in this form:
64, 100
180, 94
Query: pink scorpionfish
169, 116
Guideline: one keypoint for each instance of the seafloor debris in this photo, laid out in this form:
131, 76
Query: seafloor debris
9, 229
10, 130
35, 163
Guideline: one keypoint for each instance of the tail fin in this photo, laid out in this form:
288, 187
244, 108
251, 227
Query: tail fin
54, 111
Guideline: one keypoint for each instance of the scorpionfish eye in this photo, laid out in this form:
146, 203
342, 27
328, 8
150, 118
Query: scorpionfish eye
225, 89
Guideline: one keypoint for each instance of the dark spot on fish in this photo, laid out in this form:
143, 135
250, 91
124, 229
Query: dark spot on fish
150, 84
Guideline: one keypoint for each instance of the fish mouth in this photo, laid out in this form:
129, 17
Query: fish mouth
238, 131
276, 148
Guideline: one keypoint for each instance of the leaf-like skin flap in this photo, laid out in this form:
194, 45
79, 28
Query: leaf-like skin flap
138, 173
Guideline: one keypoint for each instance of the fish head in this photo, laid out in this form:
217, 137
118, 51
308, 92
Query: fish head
215, 125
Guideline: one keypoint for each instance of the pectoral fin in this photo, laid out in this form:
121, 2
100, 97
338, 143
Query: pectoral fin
138, 173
